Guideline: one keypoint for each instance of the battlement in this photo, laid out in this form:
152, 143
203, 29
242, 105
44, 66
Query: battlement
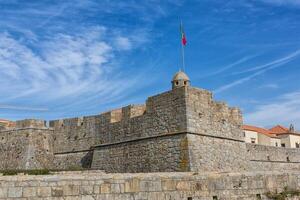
31, 123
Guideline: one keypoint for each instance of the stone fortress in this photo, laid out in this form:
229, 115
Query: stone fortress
181, 130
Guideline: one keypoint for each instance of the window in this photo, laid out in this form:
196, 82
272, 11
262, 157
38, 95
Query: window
253, 140
282, 144
297, 145
276, 144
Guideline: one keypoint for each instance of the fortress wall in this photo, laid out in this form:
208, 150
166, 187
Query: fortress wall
162, 114
155, 154
216, 141
31, 123
208, 117
27, 148
216, 154
152, 186
272, 158
77, 160
76, 134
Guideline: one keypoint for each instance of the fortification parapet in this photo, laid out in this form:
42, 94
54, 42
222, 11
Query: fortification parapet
31, 123
236, 116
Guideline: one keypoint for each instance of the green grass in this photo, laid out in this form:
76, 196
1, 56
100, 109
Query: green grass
12, 172
284, 194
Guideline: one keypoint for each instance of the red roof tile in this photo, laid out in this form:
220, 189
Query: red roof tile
257, 129
279, 130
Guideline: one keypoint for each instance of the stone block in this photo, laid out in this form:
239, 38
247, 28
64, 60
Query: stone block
183, 185
3, 192
105, 188
87, 197
44, 191
86, 190
57, 191
15, 192
71, 190
132, 185
29, 191
169, 185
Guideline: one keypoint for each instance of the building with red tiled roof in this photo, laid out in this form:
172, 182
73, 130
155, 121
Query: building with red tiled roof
258, 135
279, 129
6, 123
289, 136
275, 136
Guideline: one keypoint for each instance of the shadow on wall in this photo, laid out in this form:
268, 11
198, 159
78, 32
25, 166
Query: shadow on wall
86, 161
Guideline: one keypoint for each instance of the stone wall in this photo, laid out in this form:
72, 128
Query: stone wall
216, 154
75, 160
208, 117
152, 186
163, 114
153, 154
30, 123
272, 158
27, 148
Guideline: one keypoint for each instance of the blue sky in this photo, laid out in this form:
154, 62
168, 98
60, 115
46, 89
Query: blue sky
72, 58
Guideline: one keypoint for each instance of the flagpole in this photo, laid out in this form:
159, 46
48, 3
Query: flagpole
182, 54
182, 47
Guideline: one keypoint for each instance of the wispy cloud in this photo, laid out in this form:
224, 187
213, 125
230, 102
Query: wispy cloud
287, 58
23, 108
258, 70
283, 2
285, 109
270, 86
230, 66
65, 66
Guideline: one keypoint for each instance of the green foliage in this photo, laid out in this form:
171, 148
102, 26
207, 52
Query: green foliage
12, 172
74, 168
284, 194
38, 172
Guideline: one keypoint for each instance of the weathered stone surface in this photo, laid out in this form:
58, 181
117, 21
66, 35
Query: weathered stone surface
15, 192
27, 148
152, 186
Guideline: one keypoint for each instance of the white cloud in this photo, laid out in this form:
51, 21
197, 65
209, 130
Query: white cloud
63, 67
258, 70
284, 110
13, 107
283, 2
123, 43
270, 86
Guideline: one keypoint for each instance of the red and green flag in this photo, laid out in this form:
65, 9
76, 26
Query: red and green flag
183, 37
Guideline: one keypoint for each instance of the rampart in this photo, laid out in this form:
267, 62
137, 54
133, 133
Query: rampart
28, 146
272, 158
180, 130
152, 186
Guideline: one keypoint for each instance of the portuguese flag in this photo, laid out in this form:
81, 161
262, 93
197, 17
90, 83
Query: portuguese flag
183, 38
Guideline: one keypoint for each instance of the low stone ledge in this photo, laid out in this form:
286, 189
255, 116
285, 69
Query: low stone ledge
156, 186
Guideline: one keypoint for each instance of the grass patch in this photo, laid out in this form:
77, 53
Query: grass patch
284, 194
12, 172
